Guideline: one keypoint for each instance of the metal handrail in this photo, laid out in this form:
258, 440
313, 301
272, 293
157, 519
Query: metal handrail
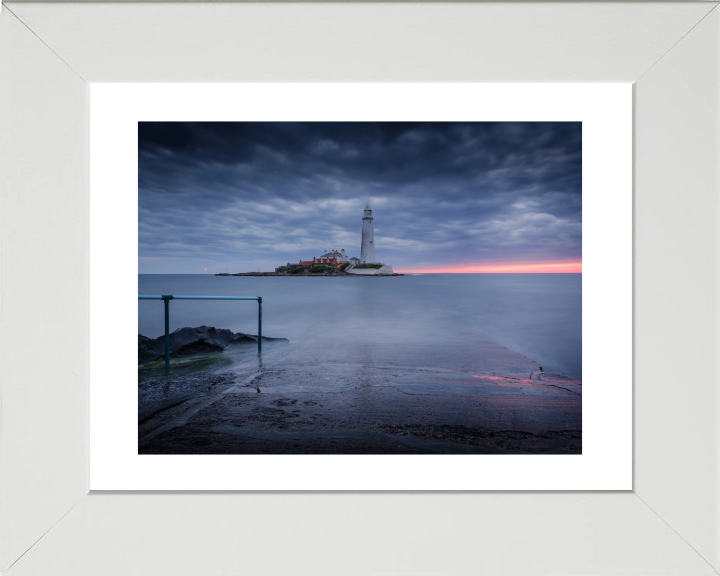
167, 297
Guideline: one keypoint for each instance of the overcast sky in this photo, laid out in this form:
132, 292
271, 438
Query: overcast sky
243, 196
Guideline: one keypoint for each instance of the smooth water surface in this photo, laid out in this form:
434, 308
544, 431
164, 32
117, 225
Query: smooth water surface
536, 315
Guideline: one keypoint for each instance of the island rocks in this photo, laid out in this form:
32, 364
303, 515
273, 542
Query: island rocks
327, 274
187, 341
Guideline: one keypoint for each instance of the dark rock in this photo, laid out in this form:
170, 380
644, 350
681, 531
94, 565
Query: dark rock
330, 274
243, 339
187, 341
149, 349
252, 339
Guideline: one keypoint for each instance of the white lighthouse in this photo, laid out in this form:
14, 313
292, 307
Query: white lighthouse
367, 263
367, 248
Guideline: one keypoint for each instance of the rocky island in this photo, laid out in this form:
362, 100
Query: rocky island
336, 263
310, 272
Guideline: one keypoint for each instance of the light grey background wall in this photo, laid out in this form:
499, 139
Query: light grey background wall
49, 52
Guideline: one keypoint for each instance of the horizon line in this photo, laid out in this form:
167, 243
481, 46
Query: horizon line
519, 268
398, 272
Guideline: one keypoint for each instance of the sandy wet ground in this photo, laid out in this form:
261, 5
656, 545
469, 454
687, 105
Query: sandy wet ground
477, 397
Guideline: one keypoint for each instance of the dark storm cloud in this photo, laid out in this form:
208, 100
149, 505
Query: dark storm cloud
243, 196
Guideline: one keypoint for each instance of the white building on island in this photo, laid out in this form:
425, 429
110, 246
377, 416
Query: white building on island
339, 256
368, 263
367, 246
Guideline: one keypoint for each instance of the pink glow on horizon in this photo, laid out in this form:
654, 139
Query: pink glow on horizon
514, 268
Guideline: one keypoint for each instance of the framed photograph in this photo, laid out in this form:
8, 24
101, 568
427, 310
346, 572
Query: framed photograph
311, 153
364, 392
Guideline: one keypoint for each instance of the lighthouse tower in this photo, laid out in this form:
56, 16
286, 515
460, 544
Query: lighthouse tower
367, 248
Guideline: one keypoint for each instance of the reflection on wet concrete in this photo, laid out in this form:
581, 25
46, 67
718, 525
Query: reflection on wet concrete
379, 397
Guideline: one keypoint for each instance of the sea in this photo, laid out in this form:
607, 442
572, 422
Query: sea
417, 318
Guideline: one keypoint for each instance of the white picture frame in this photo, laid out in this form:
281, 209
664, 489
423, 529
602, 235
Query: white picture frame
49, 523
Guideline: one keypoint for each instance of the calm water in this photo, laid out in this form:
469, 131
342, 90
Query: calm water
537, 315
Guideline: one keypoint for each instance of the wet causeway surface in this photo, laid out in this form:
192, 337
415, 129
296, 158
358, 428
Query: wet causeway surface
479, 398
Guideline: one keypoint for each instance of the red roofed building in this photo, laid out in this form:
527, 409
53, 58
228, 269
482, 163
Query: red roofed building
315, 262
324, 261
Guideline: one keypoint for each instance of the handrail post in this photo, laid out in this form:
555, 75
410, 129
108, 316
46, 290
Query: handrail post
167, 299
259, 324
